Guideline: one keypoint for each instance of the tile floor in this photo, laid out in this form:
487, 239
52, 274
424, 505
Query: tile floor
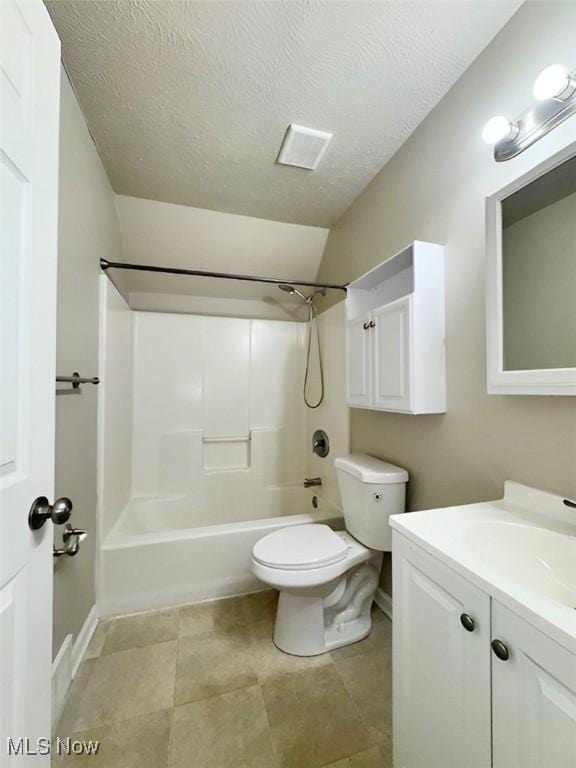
203, 686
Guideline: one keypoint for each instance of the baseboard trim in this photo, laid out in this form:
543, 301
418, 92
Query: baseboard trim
83, 639
68, 659
384, 602
61, 677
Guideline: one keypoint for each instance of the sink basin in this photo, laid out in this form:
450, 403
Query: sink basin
537, 558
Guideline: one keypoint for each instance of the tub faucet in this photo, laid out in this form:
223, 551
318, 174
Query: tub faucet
310, 482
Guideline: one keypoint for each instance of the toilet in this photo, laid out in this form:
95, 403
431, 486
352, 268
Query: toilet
327, 579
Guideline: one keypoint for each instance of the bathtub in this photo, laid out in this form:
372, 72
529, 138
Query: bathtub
153, 558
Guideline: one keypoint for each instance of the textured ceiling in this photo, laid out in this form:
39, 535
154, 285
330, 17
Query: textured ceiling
189, 101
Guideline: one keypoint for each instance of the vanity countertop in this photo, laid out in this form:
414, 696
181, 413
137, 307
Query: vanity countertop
520, 549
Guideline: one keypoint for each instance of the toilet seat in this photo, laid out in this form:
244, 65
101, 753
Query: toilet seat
300, 547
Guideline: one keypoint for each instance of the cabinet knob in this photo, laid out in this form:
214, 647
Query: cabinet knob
371, 324
500, 650
365, 326
467, 622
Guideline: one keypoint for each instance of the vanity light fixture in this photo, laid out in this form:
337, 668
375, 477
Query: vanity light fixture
554, 83
555, 94
499, 128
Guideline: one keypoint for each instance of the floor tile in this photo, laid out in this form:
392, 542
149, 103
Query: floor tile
378, 614
313, 720
271, 662
386, 748
214, 616
67, 719
379, 639
141, 742
140, 630
261, 606
370, 758
227, 731
127, 684
368, 679
214, 663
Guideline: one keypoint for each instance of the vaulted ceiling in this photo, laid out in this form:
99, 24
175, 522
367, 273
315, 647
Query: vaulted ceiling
188, 102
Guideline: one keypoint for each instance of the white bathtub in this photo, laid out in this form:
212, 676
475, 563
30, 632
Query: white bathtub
153, 558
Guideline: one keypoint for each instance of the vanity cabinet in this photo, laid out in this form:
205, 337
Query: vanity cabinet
441, 667
475, 686
395, 334
533, 697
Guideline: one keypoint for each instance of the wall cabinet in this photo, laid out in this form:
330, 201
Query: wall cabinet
395, 334
459, 702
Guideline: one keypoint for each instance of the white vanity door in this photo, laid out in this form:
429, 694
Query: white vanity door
441, 669
534, 697
392, 379
358, 361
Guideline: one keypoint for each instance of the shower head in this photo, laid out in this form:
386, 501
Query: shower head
290, 289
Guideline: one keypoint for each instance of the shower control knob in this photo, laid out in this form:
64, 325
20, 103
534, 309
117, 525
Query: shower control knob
41, 510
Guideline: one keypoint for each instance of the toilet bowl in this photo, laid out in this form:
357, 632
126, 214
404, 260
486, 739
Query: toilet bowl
327, 579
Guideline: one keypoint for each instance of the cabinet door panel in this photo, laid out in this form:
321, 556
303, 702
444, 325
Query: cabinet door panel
358, 362
441, 670
391, 350
534, 697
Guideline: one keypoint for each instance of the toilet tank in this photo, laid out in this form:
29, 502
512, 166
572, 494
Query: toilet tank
371, 491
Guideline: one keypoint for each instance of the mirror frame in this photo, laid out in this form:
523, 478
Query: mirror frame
545, 381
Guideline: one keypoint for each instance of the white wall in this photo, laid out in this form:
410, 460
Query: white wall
199, 380
114, 406
333, 414
87, 231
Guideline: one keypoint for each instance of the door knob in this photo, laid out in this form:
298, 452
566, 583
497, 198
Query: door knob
41, 510
501, 650
467, 622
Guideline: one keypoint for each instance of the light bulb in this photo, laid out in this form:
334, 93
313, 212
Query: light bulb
497, 128
551, 83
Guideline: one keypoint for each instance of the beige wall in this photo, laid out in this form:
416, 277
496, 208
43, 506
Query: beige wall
88, 230
181, 236
434, 189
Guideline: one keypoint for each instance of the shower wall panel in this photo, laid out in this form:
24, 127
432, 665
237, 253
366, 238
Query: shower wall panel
218, 412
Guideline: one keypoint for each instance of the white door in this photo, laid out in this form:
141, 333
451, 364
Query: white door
441, 664
29, 122
391, 356
534, 697
358, 361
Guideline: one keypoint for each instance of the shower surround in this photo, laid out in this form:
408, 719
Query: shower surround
207, 428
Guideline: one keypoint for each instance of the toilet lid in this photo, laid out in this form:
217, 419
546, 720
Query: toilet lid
299, 547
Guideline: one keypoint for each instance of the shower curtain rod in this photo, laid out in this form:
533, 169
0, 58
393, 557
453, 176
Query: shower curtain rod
105, 264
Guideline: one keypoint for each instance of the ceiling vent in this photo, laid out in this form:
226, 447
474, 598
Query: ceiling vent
303, 147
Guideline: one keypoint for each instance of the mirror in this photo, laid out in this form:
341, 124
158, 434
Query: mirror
531, 302
539, 272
